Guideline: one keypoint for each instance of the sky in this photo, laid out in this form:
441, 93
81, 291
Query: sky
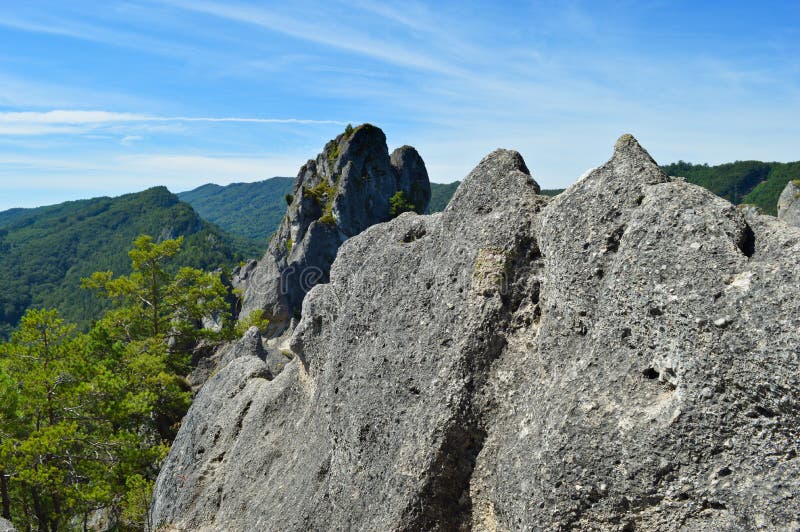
108, 97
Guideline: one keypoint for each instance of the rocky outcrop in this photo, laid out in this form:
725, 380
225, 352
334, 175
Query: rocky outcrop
6, 526
621, 357
250, 344
353, 184
789, 203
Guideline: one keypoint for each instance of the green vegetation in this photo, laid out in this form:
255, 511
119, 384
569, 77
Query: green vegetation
324, 193
327, 217
348, 131
254, 319
752, 182
249, 210
289, 198
399, 203
441, 194
333, 150
45, 252
85, 419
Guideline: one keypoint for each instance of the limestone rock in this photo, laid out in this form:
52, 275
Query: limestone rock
519, 363
6, 526
789, 203
249, 345
346, 189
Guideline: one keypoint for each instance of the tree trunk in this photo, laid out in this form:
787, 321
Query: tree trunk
41, 515
4, 495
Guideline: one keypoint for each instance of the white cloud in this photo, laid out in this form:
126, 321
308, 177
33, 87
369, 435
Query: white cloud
128, 140
82, 121
68, 117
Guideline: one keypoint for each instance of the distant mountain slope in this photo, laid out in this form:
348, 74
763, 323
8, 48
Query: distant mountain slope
753, 182
441, 194
44, 252
252, 210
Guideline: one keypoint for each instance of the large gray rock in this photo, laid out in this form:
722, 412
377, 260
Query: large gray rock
624, 356
789, 203
6, 526
347, 188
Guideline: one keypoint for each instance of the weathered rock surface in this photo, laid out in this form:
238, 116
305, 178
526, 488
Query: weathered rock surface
346, 189
789, 203
6, 526
621, 357
249, 345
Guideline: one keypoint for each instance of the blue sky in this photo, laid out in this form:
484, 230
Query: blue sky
103, 98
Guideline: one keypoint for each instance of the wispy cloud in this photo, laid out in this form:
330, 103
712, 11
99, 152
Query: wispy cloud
128, 140
306, 30
77, 121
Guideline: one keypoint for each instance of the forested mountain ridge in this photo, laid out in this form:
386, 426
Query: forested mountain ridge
754, 182
252, 210
44, 252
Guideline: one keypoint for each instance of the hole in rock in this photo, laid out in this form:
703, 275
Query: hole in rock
747, 242
413, 234
650, 373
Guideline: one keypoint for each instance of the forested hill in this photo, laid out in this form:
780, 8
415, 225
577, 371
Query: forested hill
253, 210
44, 252
441, 194
754, 182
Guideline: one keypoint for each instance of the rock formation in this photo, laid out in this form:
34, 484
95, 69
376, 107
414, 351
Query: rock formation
6, 526
789, 203
621, 357
350, 186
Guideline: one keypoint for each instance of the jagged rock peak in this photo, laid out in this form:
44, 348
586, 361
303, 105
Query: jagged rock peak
351, 185
616, 358
500, 177
789, 203
632, 159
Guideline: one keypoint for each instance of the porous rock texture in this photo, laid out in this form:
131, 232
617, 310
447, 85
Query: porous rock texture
346, 189
6, 526
789, 203
621, 357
